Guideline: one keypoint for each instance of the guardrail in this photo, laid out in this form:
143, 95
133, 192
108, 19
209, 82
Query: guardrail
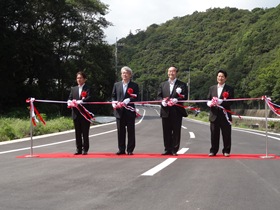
257, 118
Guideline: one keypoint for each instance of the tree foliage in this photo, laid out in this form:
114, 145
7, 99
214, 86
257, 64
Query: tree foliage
43, 45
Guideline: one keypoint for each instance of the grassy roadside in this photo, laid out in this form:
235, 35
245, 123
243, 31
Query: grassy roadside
16, 128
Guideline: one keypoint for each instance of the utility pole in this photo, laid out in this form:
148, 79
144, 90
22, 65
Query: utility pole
116, 58
189, 83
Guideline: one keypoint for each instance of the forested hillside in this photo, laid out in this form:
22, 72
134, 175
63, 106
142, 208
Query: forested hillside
244, 43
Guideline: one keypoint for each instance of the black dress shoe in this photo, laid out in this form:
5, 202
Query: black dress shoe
78, 153
166, 153
120, 153
130, 153
85, 153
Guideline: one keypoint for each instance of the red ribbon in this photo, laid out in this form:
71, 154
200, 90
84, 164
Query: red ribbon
130, 108
39, 115
33, 109
85, 113
272, 106
189, 107
225, 95
83, 94
130, 92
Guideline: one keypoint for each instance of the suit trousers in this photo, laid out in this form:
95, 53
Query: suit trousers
220, 124
126, 123
82, 133
171, 126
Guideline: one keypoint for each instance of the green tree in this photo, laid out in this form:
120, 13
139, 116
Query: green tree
44, 43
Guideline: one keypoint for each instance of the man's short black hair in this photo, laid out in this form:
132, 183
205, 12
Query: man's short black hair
177, 69
222, 71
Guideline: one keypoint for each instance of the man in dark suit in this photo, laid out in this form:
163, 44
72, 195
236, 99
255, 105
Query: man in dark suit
124, 92
170, 92
79, 94
219, 118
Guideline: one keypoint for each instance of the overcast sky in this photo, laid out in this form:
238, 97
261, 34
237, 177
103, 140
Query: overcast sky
131, 15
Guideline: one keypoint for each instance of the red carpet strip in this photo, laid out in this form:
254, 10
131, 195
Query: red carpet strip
151, 155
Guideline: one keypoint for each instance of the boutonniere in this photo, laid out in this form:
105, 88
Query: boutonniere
179, 91
84, 94
130, 92
225, 95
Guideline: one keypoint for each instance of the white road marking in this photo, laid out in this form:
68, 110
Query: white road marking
182, 151
55, 143
157, 112
259, 134
164, 164
192, 136
184, 127
159, 167
66, 141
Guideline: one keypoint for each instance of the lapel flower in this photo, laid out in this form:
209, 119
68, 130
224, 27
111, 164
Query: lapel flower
179, 91
84, 94
130, 92
225, 95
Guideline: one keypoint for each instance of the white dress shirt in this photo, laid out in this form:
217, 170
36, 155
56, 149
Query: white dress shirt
80, 90
124, 87
220, 89
171, 84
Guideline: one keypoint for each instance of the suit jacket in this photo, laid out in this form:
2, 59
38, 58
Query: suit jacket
119, 95
164, 92
74, 94
215, 111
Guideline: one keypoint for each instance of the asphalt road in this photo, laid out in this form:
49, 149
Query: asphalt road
120, 183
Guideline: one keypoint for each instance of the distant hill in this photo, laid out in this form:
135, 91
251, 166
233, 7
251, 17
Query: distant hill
244, 43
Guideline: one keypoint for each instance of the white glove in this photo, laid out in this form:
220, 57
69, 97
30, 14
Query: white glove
174, 100
209, 103
163, 102
214, 102
220, 101
69, 103
114, 104
79, 101
72, 103
119, 105
126, 101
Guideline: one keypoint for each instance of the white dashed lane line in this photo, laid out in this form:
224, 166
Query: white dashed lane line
164, 164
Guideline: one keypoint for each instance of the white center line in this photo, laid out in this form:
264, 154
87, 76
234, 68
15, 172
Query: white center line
192, 136
164, 164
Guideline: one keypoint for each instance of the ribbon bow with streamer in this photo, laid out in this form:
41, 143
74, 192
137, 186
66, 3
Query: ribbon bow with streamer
83, 111
130, 108
179, 91
274, 107
130, 92
225, 95
33, 110
84, 94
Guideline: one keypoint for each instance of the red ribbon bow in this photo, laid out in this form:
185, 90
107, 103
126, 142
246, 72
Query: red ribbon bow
130, 92
84, 94
34, 112
225, 95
